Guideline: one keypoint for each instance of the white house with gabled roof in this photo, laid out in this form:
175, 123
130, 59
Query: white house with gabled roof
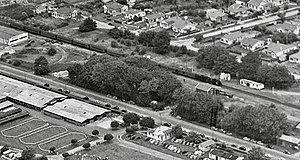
160, 133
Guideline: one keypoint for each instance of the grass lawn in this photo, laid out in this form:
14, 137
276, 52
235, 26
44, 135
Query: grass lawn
114, 152
63, 141
43, 134
24, 128
159, 148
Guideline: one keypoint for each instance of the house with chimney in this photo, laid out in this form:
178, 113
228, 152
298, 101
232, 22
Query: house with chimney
238, 10
279, 50
65, 13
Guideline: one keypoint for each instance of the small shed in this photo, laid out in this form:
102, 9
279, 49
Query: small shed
286, 141
207, 88
252, 84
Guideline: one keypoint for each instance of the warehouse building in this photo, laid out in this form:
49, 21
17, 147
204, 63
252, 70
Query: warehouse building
76, 112
11, 36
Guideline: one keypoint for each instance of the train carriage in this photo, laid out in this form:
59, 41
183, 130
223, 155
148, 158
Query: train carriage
81, 44
48, 34
65, 39
33, 30
17, 26
97, 48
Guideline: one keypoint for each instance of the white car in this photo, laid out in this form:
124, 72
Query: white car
268, 156
246, 139
281, 159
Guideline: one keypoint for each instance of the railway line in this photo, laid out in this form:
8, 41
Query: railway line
102, 49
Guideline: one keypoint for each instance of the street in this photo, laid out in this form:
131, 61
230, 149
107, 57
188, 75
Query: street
165, 117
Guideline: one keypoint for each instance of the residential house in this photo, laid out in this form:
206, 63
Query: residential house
216, 15
231, 38
252, 34
238, 10
114, 8
207, 88
217, 154
287, 28
130, 14
206, 145
131, 3
259, 5
252, 44
295, 57
154, 19
106, 1
279, 2
45, 7
160, 133
65, 13
178, 25
279, 50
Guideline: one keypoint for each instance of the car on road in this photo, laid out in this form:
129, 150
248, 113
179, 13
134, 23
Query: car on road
167, 124
67, 91
246, 139
46, 85
268, 156
287, 152
270, 146
60, 89
242, 148
124, 111
116, 107
229, 134
234, 145
85, 98
281, 158
107, 105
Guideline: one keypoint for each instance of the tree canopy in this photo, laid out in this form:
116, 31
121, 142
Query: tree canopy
41, 66
226, 63
147, 122
256, 153
88, 25
131, 118
177, 131
28, 153
259, 122
208, 56
250, 64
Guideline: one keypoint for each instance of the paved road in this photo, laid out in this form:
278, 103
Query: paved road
164, 117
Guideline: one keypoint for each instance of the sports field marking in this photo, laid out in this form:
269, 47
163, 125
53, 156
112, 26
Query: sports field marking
65, 130
24, 123
57, 138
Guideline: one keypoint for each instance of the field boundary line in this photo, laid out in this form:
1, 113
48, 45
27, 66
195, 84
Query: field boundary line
66, 130
69, 144
13, 127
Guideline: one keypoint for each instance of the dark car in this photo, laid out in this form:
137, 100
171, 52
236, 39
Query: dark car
46, 85
167, 124
233, 145
124, 111
60, 89
242, 148
67, 91
270, 146
107, 105
116, 107
85, 98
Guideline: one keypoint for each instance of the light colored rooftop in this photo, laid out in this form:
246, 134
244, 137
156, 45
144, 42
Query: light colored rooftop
287, 26
206, 143
233, 36
5, 104
65, 10
235, 8
134, 11
6, 33
277, 47
161, 130
296, 55
250, 81
250, 41
290, 139
205, 86
75, 110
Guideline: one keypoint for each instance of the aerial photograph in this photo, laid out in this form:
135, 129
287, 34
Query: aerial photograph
149, 79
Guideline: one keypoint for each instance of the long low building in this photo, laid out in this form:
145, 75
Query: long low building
75, 111
11, 36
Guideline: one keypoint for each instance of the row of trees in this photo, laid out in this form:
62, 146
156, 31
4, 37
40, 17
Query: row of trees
132, 78
133, 118
219, 60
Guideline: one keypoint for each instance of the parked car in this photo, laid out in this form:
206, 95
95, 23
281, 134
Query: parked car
287, 152
85, 98
242, 148
246, 139
124, 111
229, 134
268, 156
167, 124
116, 107
67, 91
270, 146
107, 105
60, 89
234, 145
46, 85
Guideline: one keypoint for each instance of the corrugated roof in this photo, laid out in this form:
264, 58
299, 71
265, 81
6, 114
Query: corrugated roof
76, 110
6, 33
234, 35
250, 41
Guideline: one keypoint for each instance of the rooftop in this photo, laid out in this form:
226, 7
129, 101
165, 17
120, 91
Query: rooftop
6, 33
287, 26
178, 22
76, 110
204, 86
215, 13
133, 11
154, 15
207, 143
290, 139
250, 81
161, 130
296, 55
223, 154
5, 104
235, 8
233, 36
258, 2
277, 47
250, 41
65, 10
114, 5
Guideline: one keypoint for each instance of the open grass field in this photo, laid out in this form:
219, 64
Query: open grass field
24, 128
114, 151
62, 141
42, 135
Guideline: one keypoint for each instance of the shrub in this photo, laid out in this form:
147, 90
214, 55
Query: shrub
52, 149
51, 52
65, 155
74, 141
95, 132
16, 62
114, 124
108, 137
129, 130
114, 44
86, 145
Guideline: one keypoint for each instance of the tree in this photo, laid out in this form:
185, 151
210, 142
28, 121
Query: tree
162, 42
226, 63
28, 153
95, 132
41, 66
147, 38
274, 76
193, 137
123, 2
86, 145
74, 141
147, 122
75, 71
131, 118
114, 44
51, 52
108, 137
52, 149
115, 33
275, 9
114, 124
199, 38
259, 122
285, 7
208, 55
129, 130
177, 131
88, 25
248, 67
256, 153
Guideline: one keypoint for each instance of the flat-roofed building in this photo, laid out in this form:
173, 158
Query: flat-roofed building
76, 112
5, 104
207, 88
11, 36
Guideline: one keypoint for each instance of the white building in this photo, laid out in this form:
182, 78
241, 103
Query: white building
160, 133
252, 44
295, 58
217, 154
65, 13
252, 84
130, 14
11, 36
